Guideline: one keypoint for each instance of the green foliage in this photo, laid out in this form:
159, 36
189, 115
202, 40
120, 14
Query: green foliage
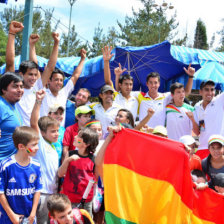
148, 26
221, 33
74, 44
200, 38
3, 43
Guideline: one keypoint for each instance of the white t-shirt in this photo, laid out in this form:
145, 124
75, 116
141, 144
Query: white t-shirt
60, 99
213, 117
48, 159
177, 122
26, 103
158, 105
106, 118
130, 104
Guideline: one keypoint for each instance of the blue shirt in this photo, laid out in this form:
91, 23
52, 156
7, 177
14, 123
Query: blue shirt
9, 120
19, 184
58, 145
70, 113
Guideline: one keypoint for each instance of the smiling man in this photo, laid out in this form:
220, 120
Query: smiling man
56, 93
178, 122
209, 115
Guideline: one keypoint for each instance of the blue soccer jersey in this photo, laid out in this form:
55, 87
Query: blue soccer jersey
19, 185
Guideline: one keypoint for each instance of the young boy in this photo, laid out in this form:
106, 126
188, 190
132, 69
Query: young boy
199, 179
61, 211
78, 168
57, 112
82, 115
20, 179
219, 183
47, 155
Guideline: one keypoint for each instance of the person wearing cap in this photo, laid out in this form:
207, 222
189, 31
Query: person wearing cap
57, 112
160, 131
219, 183
106, 110
179, 116
209, 116
214, 163
82, 115
190, 146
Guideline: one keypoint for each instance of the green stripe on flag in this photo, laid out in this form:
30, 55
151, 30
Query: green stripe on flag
112, 219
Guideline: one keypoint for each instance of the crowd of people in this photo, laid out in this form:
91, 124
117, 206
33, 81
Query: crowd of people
52, 148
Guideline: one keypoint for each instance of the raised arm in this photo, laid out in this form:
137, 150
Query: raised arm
52, 60
36, 110
190, 72
118, 72
106, 58
78, 70
196, 129
14, 28
32, 41
150, 113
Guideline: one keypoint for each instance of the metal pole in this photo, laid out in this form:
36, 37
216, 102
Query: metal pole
71, 2
28, 18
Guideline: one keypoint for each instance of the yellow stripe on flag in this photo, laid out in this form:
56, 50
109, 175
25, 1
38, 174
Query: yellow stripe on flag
144, 200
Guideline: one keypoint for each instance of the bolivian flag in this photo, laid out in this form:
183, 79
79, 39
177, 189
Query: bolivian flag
147, 181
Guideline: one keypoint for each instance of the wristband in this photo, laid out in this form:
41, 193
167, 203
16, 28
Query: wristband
190, 76
38, 101
12, 34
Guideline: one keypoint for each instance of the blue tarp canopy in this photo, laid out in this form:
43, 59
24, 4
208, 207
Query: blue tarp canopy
163, 58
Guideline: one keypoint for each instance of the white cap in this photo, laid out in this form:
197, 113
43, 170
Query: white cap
187, 140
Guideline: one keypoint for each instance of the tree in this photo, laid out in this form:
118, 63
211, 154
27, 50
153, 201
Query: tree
3, 42
74, 44
99, 41
41, 25
221, 33
147, 26
200, 38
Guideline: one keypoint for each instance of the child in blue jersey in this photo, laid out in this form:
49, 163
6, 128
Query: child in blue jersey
47, 127
20, 179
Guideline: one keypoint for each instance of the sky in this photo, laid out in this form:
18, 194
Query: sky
87, 14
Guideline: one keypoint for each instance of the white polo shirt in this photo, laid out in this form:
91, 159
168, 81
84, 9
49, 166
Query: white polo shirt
60, 99
213, 117
26, 103
106, 117
48, 159
130, 104
177, 122
158, 105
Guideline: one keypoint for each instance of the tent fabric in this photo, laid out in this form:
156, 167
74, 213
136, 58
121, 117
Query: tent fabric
147, 180
204, 56
42, 62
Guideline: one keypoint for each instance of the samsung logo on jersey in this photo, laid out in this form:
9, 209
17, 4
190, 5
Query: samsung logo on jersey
20, 192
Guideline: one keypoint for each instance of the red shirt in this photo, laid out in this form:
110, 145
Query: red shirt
77, 177
195, 163
70, 133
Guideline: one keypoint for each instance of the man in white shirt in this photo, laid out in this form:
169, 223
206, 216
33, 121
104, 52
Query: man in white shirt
126, 98
178, 123
55, 94
29, 69
209, 115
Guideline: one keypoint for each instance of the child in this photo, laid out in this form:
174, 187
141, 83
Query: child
214, 163
82, 115
219, 183
61, 211
20, 179
78, 168
47, 155
57, 112
199, 179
